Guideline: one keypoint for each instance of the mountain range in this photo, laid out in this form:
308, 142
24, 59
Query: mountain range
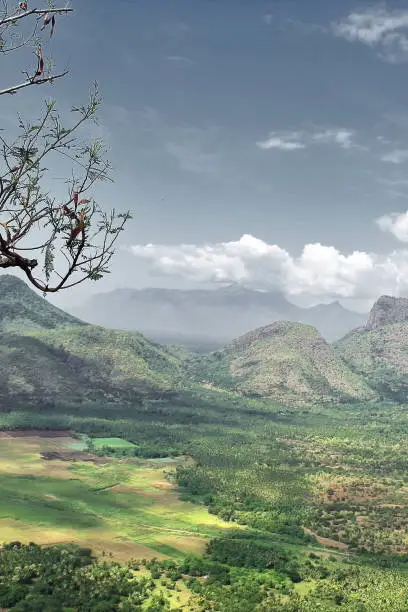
208, 319
49, 356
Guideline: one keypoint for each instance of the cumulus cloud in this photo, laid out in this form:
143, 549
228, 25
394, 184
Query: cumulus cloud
377, 27
287, 142
398, 156
341, 137
396, 224
320, 271
292, 141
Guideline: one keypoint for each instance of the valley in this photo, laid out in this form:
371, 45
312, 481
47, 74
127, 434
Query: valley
267, 475
52, 493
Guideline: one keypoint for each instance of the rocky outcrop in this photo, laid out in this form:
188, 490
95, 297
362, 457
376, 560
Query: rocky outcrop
386, 311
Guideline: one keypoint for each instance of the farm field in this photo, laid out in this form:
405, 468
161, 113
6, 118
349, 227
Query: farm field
300, 509
50, 492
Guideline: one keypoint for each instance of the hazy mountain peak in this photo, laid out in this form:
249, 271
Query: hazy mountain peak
189, 316
386, 311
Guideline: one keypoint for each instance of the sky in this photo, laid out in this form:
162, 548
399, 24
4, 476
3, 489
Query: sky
263, 143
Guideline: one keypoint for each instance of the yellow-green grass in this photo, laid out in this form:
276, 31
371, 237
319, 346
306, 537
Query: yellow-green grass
112, 443
125, 508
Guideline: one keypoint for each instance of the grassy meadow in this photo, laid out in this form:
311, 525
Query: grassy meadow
121, 507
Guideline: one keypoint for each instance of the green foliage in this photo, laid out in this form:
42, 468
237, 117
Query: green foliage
380, 355
270, 469
289, 362
61, 577
46, 354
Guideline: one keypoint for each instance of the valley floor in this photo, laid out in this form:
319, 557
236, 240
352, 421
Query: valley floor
259, 507
122, 508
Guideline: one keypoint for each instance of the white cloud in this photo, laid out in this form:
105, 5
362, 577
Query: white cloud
288, 142
398, 156
344, 138
377, 27
292, 141
321, 271
396, 223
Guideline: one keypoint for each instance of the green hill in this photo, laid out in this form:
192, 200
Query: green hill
48, 354
379, 351
22, 308
289, 362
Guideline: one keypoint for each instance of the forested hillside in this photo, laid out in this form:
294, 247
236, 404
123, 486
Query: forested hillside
266, 476
289, 362
48, 355
378, 352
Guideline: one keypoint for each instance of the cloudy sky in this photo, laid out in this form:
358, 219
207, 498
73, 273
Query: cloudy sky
262, 142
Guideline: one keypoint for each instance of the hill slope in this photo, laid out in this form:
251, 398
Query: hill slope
22, 308
209, 318
289, 362
379, 351
48, 354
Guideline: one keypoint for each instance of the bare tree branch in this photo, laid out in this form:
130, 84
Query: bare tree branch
17, 16
50, 79
7, 24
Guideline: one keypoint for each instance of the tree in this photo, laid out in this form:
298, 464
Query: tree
75, 227
12, 40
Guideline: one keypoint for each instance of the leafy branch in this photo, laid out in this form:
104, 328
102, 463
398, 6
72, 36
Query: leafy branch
9, 20
77, 228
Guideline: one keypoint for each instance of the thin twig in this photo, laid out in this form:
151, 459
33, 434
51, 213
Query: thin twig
12, 90
16, 17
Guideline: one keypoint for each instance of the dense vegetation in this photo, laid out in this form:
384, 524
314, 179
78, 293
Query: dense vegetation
317, 495
380, 356
276, 471
289, 362
67, 578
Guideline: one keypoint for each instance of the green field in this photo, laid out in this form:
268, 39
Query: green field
99, 443
126, 508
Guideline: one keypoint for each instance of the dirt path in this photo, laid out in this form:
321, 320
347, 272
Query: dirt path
326, 541
192, 533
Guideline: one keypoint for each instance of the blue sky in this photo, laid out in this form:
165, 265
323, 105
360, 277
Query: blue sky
283, 122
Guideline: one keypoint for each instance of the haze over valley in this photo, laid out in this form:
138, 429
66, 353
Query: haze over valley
204, 319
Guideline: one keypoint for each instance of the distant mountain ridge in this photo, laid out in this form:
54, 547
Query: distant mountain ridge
211, 317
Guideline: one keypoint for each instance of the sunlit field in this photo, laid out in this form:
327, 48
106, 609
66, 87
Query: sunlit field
119, 507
